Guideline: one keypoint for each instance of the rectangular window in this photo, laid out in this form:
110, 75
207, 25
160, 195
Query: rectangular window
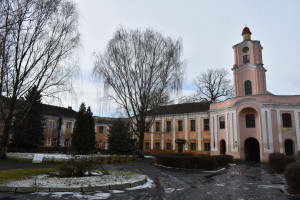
193, 146
180, 125
157, 145
43, 142
54, 142
66, 142
101, 129
206, 146
286, 120
193, 125
250, 120
56, 124
69, 125
222, 122
100, 144
206, 124
147, 145
246, 59
148, 126
137, 145
157, 126
168, 146
168, 126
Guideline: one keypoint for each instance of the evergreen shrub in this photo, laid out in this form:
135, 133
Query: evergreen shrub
279, 161
78, 167
194, 162
292, 176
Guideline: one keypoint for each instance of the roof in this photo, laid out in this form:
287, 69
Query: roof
181, 108
48, 110
56, 111
246, 30
106, 120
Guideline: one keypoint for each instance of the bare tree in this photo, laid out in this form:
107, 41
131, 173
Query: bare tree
213, 86
142, 68
38, 40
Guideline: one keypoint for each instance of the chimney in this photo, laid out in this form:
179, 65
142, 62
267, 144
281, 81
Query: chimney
70, 107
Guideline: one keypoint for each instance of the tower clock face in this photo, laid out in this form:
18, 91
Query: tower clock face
245, 49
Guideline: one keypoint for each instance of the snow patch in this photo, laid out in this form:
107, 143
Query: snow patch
54, 156
115, 177
148, 184
215, 171
220, 184
93, 196
116, 191
169, 190
271, 186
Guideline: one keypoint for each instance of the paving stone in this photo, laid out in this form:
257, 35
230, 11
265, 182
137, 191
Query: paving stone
139, 182
32, 189
99, 188
66, 189
120, 186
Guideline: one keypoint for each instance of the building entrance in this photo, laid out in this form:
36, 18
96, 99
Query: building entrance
252, 150
289, 147
180, 147
222, 147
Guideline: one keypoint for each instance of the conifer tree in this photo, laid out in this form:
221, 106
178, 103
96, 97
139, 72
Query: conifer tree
28, 123
120, 140
83, 138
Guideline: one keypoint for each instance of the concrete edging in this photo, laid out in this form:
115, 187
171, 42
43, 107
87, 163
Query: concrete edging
78, 189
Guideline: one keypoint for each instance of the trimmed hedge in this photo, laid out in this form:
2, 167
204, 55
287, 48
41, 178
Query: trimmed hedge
292, 176
194, 162
279, 161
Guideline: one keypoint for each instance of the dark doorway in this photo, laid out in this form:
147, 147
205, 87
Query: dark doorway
222, 147
180, 147
252, 150
289, 147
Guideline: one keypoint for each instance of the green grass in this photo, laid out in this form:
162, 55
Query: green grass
18, 174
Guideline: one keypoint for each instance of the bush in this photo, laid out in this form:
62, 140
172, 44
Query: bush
224, 160
292, 176
78, 167
194, 162
278, 161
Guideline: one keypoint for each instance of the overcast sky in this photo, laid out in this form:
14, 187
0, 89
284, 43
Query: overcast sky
208, 30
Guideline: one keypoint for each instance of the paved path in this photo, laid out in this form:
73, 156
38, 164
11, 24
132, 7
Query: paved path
242, 181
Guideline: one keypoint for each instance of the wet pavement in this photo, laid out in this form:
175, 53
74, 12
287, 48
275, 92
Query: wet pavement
241, 181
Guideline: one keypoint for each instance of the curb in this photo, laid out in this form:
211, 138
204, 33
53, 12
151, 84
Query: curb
78, 189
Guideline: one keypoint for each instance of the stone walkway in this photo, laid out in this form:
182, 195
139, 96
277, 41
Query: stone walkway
242, 181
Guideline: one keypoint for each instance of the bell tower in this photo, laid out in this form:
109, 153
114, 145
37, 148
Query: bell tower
248, 70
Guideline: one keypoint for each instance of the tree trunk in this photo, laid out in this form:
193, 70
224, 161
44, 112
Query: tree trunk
58, 131
7, 127
141, 145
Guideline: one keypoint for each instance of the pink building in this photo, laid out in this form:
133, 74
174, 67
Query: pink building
255, 122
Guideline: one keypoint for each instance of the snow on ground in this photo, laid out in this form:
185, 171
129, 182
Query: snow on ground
114, 177
148, 184
53, 156
95, 195
92, 195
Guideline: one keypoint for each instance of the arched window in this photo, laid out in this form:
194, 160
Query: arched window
246, 59
248, 87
